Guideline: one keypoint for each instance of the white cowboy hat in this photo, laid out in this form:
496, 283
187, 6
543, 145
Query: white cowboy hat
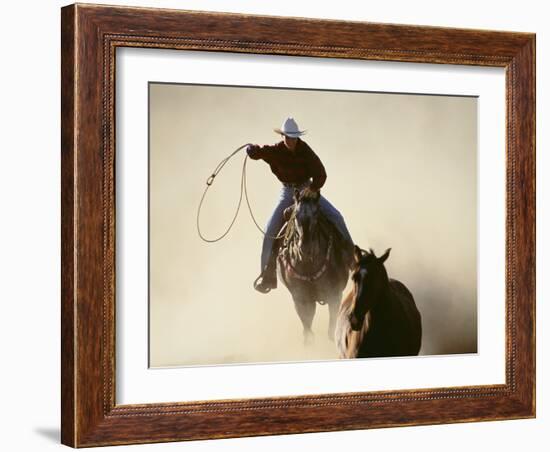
290, 129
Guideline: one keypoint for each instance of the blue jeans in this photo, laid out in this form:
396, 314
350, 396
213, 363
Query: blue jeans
275, 223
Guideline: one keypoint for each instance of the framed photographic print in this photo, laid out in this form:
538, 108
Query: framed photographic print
280, 225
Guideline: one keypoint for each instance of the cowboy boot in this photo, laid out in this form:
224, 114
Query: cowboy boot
269, 274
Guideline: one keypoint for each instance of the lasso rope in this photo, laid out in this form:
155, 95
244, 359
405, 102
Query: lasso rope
244, 190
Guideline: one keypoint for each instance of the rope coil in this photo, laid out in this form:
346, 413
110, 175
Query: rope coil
243, 190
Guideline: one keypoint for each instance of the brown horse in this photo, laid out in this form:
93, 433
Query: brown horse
312, 262
379, 316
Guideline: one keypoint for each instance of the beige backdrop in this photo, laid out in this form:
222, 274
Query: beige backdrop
402, 169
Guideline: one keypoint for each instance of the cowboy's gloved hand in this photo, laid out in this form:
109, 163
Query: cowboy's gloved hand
310, 191
250, 148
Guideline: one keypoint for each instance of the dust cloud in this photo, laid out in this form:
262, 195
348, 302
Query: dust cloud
402, 169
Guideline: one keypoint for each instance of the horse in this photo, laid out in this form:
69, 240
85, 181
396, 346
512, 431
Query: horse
378, 317
313, 262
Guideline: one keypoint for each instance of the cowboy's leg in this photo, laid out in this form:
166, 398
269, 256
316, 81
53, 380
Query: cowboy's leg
335, 217
275, 223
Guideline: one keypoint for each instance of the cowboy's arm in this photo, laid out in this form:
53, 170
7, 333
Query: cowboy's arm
317, 170
257, 152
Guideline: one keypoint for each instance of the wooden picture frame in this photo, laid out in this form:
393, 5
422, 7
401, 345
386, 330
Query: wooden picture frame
90, 35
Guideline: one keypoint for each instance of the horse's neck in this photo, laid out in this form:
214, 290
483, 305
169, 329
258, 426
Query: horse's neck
316, 247
384, 304
313, 251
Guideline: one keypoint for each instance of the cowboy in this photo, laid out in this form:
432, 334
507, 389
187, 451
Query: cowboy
296, 165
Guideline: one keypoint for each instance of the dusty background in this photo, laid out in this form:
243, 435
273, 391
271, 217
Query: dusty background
401, 169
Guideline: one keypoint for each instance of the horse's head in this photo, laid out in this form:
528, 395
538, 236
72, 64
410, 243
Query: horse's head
370, 280
306, 210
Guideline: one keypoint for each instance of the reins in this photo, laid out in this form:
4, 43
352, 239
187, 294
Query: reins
244, 190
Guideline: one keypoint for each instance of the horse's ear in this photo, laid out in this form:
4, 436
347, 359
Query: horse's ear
357, 253
384, 256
